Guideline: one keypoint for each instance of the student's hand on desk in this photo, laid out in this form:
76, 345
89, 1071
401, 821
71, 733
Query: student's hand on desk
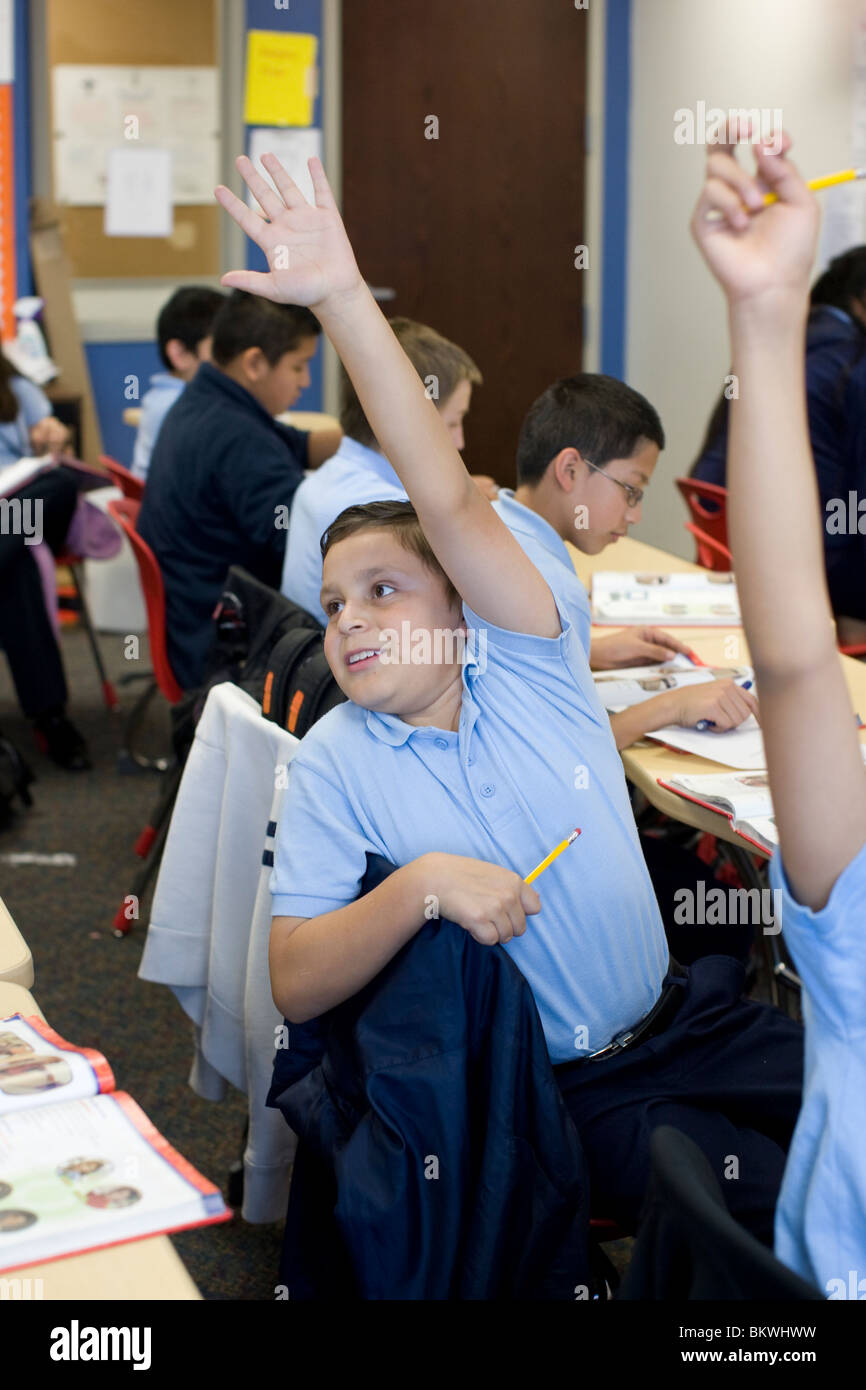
489, 902
48, 436
757, 252
308, 252
636, 646
724, 703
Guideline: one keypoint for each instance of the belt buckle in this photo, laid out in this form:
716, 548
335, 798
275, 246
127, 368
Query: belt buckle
616, 1044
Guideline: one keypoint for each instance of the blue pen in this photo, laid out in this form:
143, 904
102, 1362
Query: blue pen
704, 724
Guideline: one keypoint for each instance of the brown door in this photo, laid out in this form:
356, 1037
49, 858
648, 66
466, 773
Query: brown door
474, 230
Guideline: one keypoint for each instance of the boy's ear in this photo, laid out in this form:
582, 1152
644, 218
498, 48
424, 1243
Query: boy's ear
254, 363
566, 467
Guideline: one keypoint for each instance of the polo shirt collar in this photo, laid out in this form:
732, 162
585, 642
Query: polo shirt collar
370, 460
524, 519
391, 729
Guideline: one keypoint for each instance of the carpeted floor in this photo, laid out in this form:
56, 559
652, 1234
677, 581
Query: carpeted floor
86, 979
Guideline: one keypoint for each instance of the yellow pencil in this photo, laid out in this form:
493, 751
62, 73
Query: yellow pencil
554, 854
828, 181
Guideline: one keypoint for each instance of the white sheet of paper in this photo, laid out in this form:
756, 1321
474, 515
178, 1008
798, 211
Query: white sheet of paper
293, 147
7, 42
138, 201
99, 107
742, 747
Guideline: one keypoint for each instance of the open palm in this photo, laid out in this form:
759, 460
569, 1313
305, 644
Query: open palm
306, 246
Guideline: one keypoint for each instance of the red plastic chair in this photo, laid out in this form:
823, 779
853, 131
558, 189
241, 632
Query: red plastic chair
125, 512
149, 843
712, 521
129, 485
712, 554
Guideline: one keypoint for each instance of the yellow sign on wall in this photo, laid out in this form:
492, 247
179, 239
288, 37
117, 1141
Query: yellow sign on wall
281, 78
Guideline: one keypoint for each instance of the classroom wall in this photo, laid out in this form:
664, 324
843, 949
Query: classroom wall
796, 55
112, 358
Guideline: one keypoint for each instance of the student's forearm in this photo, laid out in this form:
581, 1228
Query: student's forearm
410, 432
322, 445
774, 514
631, 724
328, 959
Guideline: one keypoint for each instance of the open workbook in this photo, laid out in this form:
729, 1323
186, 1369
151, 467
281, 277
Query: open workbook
744, 797
81, 1166
702, 599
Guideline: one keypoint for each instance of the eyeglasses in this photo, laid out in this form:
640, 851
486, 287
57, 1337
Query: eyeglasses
634, 494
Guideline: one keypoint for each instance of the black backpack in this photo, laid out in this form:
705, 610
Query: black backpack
274, 650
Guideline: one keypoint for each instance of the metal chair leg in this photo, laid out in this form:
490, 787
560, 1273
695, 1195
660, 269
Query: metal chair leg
109, 694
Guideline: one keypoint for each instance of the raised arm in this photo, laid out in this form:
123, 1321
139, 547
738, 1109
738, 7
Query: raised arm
763, 262
311, 262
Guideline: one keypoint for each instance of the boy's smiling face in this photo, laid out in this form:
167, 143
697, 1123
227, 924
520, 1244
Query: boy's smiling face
372, 585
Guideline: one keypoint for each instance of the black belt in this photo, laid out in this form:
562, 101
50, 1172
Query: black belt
653, 1023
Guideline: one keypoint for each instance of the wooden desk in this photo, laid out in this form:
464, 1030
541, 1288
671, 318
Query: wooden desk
309, 420
646, 761
16, 962
301, 419
146, 1270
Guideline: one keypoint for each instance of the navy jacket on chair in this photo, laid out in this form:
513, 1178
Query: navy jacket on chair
436, 1159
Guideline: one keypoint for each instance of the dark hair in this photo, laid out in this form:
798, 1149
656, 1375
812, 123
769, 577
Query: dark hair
842, 282
431, 355
399, 517
9, 404
188, 316
247, 320
598, 415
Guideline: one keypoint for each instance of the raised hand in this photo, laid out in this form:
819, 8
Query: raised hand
756, 250
308, 252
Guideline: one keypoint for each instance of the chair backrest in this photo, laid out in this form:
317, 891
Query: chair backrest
707, 503
712, 554
129, 485
689, 1246
125, 512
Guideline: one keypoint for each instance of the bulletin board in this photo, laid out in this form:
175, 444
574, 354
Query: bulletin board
136, 33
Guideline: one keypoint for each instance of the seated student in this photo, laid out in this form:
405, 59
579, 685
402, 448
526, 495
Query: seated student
586, 453
836, 402
464, 774
224, 471
183, 335
762, 262
29, 428
359, 472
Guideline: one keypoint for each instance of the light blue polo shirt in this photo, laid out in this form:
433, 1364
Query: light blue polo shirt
155, 405
821, 1212
533, 758
352, 476
547, 551
33, 406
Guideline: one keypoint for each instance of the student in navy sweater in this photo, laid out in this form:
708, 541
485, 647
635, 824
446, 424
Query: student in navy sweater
836, 402
223, 471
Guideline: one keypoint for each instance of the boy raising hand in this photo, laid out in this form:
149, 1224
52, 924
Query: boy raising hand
763, 259
465, 768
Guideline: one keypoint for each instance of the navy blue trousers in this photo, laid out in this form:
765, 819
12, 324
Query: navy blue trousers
727, 1071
